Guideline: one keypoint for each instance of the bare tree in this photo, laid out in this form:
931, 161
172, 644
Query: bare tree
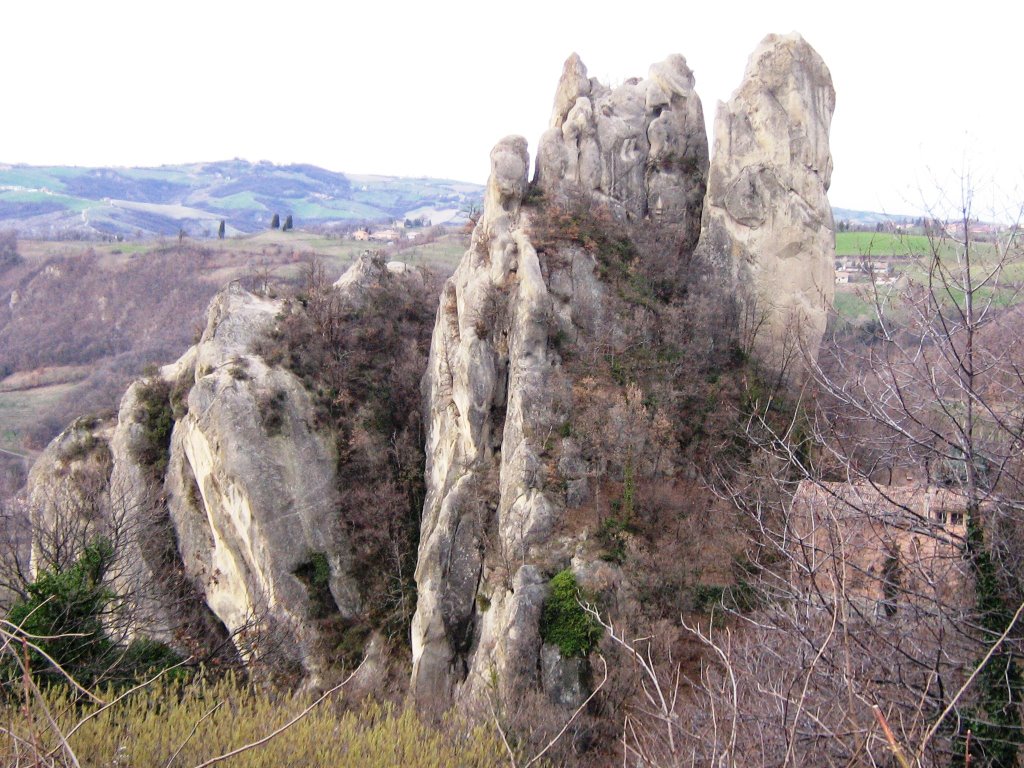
888, 512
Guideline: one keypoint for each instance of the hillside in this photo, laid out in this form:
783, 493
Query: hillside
60, 202
604, 475
80, 320
97, 203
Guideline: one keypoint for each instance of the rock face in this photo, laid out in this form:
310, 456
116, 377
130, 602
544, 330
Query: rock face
496, 390
494, 393
251, 487
767, 222
370, 271
485, 386
90, 483
640, 147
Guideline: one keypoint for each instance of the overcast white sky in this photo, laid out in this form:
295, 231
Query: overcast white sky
923, 89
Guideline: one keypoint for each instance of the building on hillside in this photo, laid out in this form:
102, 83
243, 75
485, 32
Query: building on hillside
878, 545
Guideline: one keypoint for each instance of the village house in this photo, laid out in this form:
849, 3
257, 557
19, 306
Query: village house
877, 544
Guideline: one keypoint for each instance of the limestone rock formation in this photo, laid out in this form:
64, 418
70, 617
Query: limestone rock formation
495, 390
67, 491
488, 358
251, 486
492, 391
92, 483
370, 271
767, 222
499, 483
640, 147
219, 484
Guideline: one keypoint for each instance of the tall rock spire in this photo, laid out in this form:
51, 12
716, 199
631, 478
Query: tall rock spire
767, 223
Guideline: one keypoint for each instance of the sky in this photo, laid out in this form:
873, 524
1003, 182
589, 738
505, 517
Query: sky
927, 95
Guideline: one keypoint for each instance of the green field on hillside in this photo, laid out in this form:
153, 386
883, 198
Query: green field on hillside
880, 244
33, 196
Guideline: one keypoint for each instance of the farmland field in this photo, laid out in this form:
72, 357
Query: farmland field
880, 244
20, 410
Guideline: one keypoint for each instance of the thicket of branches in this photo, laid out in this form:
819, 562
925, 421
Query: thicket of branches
362, 356
886, 628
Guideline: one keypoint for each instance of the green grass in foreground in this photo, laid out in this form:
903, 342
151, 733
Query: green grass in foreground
207, 720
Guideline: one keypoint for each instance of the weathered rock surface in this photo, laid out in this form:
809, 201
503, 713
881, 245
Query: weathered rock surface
251, 485
68, 495
495, 390
237, 520
90, 484
371, 270
767, 221
491, 393
641, 147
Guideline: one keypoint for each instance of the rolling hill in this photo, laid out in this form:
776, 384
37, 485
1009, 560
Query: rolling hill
54, 202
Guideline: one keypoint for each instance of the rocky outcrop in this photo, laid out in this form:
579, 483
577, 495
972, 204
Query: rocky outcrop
494, 392
219, 486
534, 401
477, 380
640, 147
92, 483
370, 271
251, 488
767, 222
68, 494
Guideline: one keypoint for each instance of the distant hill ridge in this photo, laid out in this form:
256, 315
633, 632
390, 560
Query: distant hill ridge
62, 201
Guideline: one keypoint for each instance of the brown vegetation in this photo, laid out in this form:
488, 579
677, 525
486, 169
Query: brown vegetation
362, 358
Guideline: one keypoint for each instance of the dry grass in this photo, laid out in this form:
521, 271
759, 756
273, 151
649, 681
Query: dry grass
204, 721
20, 410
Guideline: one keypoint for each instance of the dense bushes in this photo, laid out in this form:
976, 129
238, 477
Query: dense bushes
564, 622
